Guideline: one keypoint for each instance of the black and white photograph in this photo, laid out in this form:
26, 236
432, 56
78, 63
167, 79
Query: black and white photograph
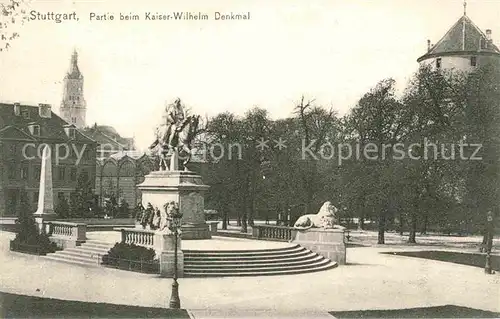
206, 159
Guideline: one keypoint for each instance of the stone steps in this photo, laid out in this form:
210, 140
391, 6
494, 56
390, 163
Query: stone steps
88, 254
279, 261
259, 264
268, 251
246, 257
291, 258
236, 273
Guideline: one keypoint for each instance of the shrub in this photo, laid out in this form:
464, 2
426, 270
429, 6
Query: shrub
131, 257
29, 240
62, 208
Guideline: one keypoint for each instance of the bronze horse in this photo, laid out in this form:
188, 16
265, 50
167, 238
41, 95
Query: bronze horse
177, 140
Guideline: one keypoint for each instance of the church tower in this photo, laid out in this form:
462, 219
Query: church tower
73, 107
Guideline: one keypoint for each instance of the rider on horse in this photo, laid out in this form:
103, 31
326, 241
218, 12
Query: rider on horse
176, 133
176, 118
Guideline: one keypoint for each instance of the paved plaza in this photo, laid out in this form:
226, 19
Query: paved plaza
370, 281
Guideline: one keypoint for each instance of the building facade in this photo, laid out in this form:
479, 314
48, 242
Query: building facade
24, 130
119, 174
73, 106
109, 140
463, 48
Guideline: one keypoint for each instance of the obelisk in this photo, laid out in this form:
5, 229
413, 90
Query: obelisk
45, 210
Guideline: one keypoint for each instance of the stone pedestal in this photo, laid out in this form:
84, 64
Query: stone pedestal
329, 243
185, 188
163, 241
167, 264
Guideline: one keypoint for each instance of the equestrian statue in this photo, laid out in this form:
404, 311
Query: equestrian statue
175, 134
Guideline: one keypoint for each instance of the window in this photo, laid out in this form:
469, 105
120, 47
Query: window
37, 172
35, 197
70, 131
473, 61
24, 172
73, 174
25, 114
73, 119
62, 173
85, 175
35, 130
11, 169
13, 149
438, 63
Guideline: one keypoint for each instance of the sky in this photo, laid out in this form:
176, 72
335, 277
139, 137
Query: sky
332, 51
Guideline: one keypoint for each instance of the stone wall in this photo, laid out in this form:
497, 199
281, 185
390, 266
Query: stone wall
329, 243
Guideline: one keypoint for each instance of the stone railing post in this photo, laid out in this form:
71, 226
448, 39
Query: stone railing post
256, 231
213, 227
124, 235
164, 245
329, 243
81, 232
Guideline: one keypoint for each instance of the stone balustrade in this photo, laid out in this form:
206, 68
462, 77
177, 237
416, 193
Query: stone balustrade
67, 234
139, 237
163, 244
329, 243
270, 232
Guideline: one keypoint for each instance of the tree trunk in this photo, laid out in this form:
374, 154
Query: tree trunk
401, 224
413, 229
244, 227
224, 217
424, 225
361, 223
381, 227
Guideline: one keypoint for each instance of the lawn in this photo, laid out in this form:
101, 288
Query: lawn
447, 311
476, 260
20, 306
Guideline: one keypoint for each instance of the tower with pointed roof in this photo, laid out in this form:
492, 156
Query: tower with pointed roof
73, 107
464, 47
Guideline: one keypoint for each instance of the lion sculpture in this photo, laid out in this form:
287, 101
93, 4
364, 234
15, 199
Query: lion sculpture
325, 218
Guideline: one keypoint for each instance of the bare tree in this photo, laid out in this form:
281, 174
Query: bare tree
12, 13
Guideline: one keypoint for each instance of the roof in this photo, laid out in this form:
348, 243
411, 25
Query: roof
14, 126
135, 156
131, 154
463, 36
105, 134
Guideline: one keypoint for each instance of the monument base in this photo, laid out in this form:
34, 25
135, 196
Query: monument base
328, 243
196, 231
185, 188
